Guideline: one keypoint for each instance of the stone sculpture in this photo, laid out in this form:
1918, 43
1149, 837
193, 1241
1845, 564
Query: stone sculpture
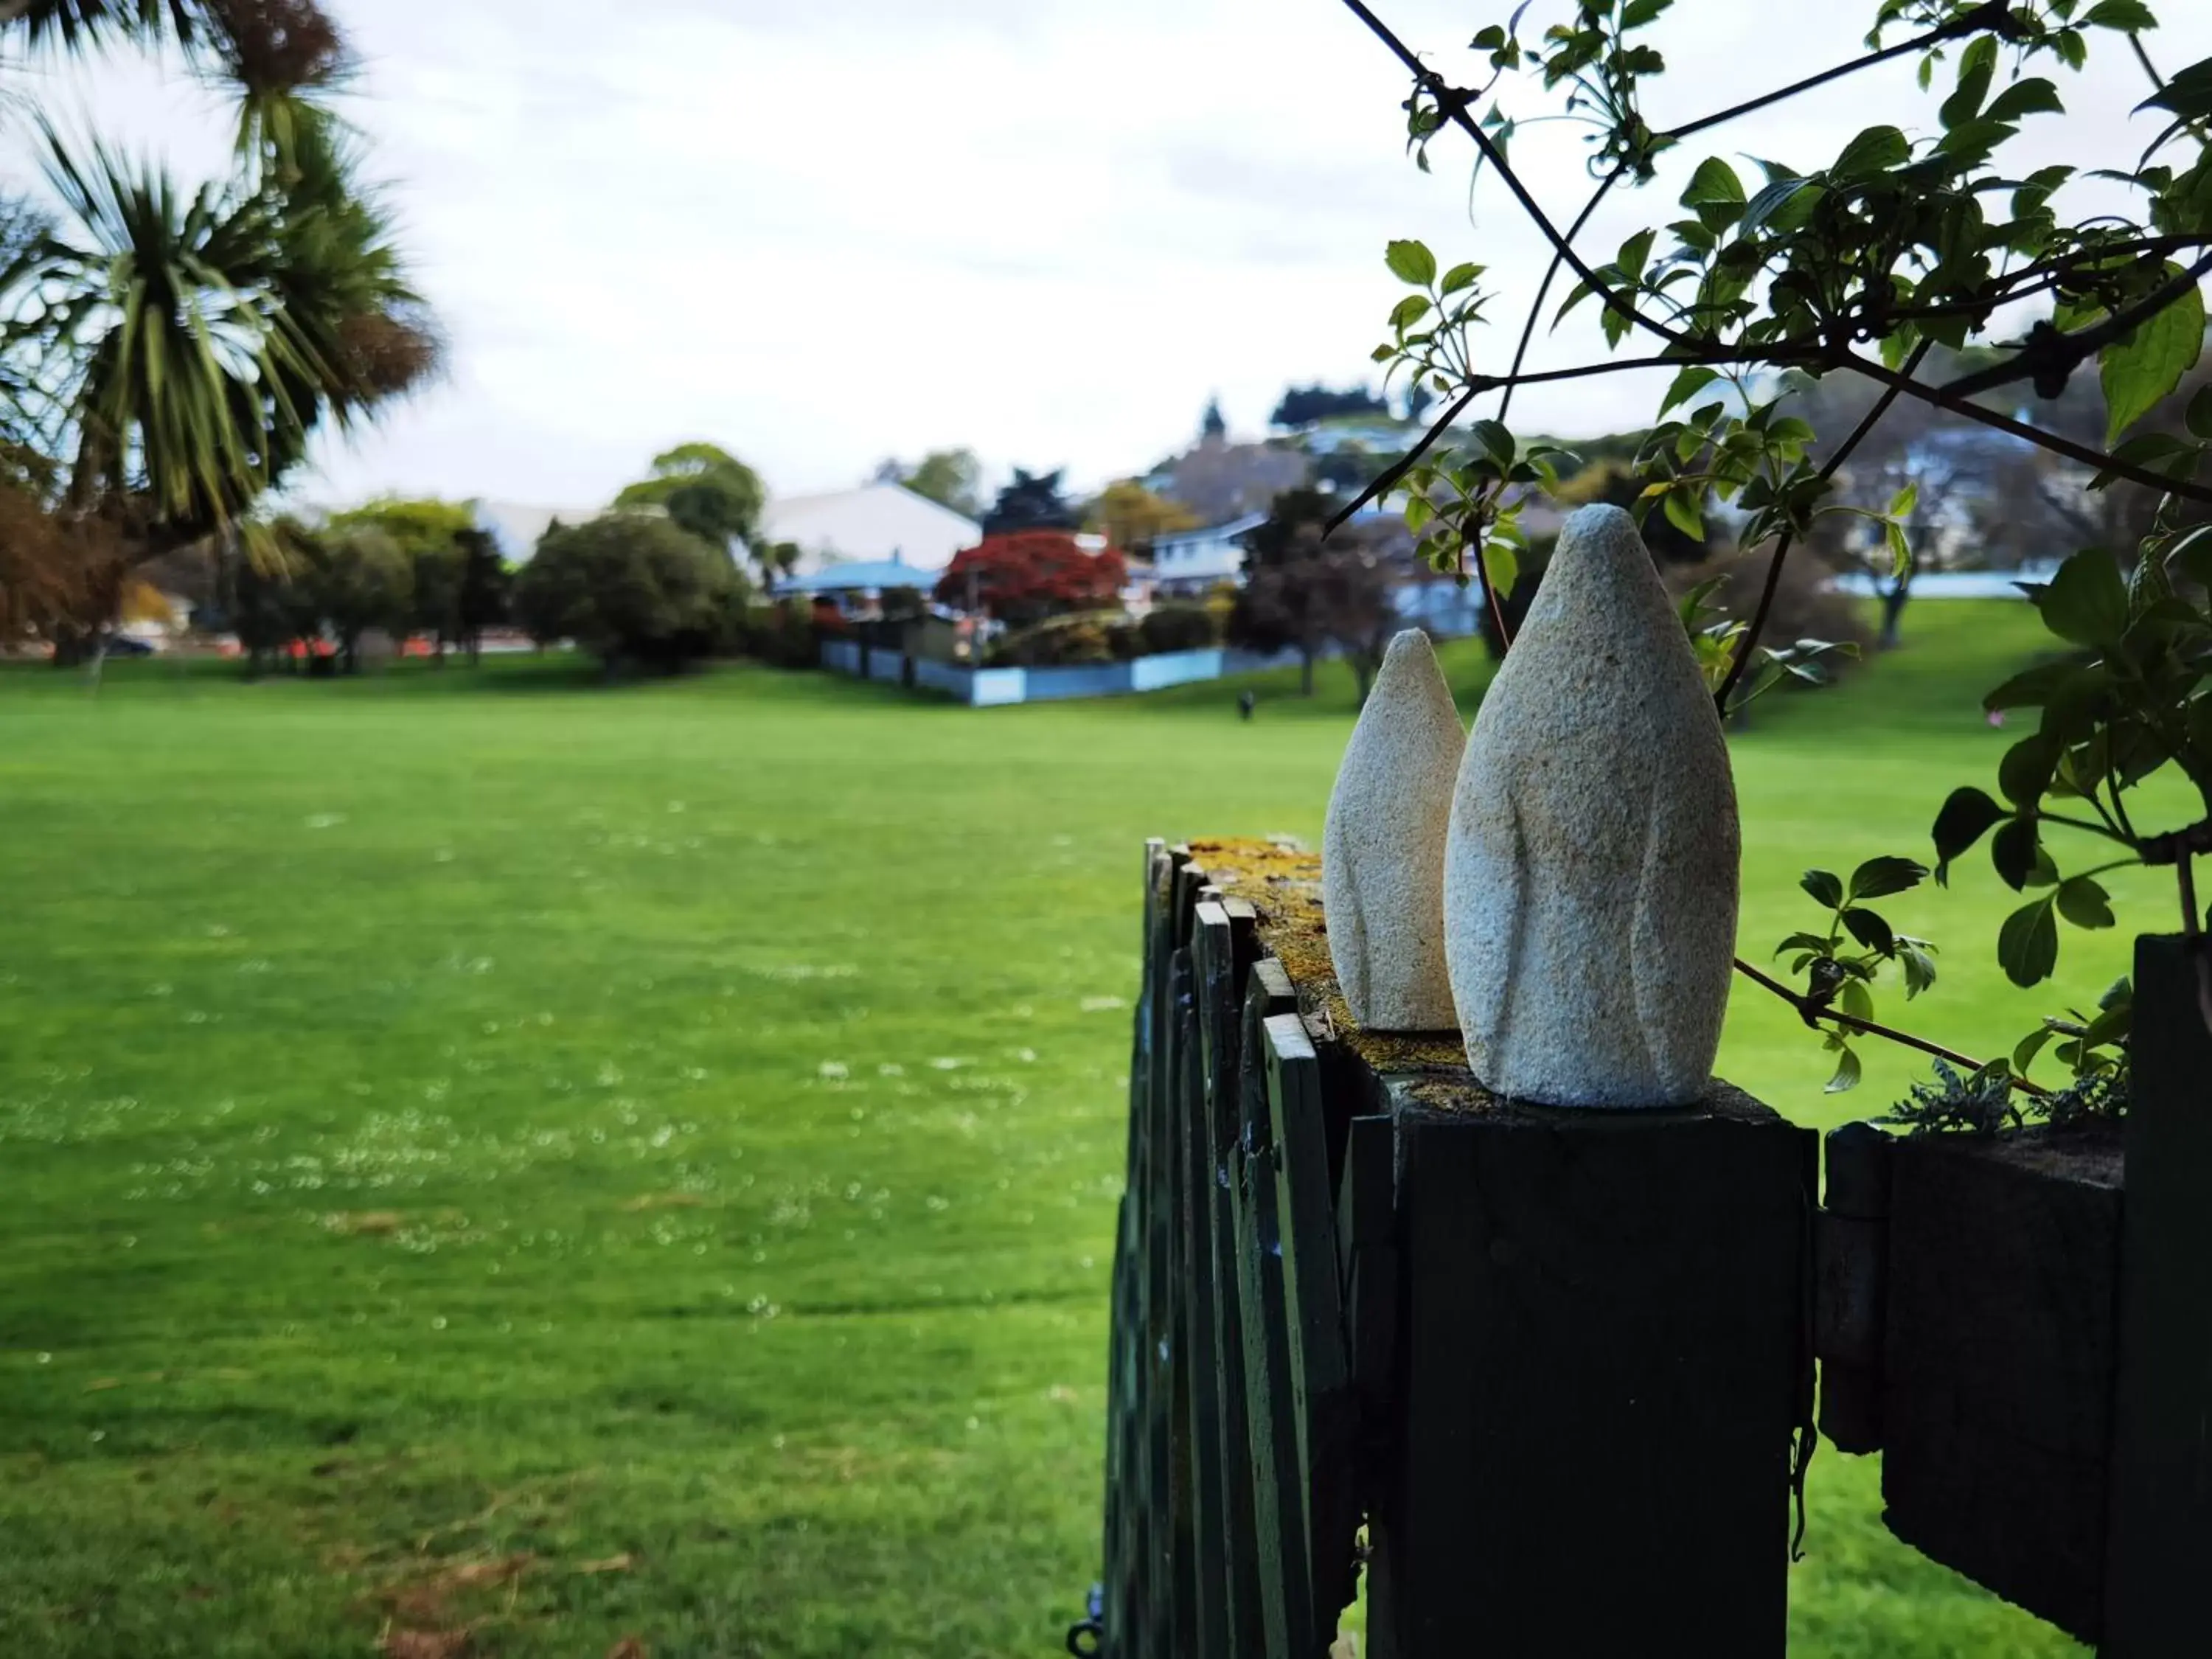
1382, 848
1591, 869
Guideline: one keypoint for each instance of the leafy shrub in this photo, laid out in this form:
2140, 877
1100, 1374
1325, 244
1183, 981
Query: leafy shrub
629, 588
1069, 643
1180, 628
782, 636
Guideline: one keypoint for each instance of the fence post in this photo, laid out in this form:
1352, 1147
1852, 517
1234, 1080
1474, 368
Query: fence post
1604, 1343
2158, 1599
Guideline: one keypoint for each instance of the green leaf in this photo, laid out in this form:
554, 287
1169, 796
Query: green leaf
2128, 15
1411, 262
2024, 1054
2031, 688
2084, 903
1497, 439
1854, 998
1848, 1072
1681, 506
1459, 277
2087, 602
1976, 66
1826, 886
1919, 967
1501, 567
1902, 503
2025, 772
2187, 93
1875, 150
2142, 367
2016, 849
1407, 312
1965, 818
1880, 877
2033, 96
1871, 930
2198, 417
1687, 384
1771, 200
2027, 944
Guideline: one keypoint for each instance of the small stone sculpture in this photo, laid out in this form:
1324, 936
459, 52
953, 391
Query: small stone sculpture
1590, 876
1383, 849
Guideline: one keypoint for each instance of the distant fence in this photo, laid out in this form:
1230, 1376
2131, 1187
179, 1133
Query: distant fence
983, 688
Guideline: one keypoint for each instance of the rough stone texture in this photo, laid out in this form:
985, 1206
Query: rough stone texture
1590, 873
1382, 850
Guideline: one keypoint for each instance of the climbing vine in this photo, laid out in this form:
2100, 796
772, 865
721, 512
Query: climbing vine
1771, 278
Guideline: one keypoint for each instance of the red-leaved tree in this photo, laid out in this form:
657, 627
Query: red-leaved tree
1029, 575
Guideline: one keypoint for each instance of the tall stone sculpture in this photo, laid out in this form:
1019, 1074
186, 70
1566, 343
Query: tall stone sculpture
1590, 873
1382, 848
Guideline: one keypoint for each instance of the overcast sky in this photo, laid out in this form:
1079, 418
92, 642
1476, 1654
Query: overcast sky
821, 231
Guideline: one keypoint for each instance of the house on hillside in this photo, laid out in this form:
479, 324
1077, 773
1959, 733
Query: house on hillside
1187, 563
876, 524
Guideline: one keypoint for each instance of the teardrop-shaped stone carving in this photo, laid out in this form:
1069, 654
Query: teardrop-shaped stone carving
1382, 848
1591, 870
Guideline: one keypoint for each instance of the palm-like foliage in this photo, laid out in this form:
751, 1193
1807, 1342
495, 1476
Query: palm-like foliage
184, 347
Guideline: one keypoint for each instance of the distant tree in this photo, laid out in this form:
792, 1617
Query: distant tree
705, 490
1309, 405
1026, 576
1212, 427
428, 532
487, 590
266, 597
1129, 515
1303, 593
629, 588
950, 478
359, 578
1032, 501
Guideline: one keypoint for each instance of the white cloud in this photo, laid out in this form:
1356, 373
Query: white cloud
822, 231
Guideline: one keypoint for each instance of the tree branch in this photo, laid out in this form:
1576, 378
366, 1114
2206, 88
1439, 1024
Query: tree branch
1812, 1012
2051, 352
1988, 15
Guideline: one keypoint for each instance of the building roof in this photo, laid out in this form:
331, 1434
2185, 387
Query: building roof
876, 523
1235, 527
859, 576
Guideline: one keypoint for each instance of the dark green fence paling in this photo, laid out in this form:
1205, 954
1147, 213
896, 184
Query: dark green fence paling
1261, 1409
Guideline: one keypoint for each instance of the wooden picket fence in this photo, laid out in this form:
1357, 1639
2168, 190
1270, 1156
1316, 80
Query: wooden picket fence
1543, 1383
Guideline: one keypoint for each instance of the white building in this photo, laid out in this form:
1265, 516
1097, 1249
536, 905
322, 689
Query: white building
875, 523
1189, 562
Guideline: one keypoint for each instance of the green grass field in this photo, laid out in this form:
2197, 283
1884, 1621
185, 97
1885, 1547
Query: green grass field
491, 1153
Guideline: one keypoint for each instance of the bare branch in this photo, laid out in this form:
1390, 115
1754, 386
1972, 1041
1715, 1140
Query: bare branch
1812, 1012
2050, 354
1986, 17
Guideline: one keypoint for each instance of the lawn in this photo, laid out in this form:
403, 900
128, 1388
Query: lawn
491, 1153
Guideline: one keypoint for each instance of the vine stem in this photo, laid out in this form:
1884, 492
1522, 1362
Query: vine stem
1813, 1011
2053, 352
1833, 464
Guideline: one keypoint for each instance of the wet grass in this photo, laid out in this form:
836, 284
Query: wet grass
495, 1154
